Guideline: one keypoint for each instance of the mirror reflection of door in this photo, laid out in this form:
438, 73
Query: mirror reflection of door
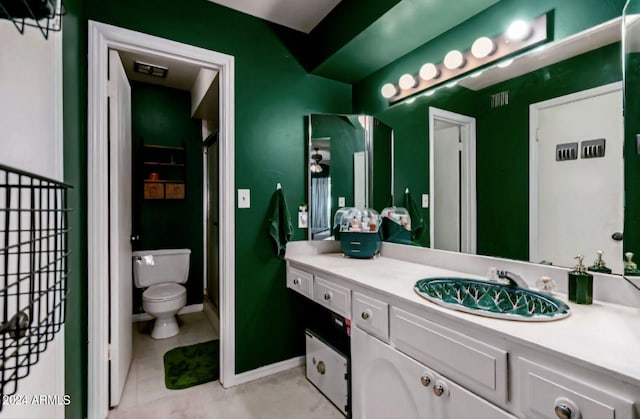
577, 204
452, 178
320, 173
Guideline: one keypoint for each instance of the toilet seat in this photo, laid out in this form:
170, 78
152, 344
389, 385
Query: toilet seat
164, 292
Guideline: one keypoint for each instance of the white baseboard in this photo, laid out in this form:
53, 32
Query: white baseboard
267, 370
193, 308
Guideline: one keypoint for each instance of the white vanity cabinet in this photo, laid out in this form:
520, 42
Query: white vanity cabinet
388, 384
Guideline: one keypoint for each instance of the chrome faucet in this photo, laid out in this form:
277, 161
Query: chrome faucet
514, 279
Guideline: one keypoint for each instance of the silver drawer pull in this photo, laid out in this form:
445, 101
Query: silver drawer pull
296, 281
425, 380
365, 315
563, 411
327, 296
321, 368
440, 388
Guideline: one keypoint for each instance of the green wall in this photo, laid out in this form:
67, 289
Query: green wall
162, 116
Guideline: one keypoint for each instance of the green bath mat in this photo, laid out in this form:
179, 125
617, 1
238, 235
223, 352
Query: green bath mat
191, 365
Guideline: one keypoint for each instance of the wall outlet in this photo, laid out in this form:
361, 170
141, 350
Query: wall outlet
425, 200
244, 198
341, 202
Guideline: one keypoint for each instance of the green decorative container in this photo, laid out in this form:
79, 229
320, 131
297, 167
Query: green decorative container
361, 245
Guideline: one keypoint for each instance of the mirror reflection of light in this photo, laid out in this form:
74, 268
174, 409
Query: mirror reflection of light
410, 101
483, 47
454, 59
362, 120
407, 81
476, 74
452, 84
389, 90
505, 63
519, 30
429, 92
429, 71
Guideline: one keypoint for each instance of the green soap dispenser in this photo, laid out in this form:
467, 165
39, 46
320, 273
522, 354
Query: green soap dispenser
630, 267
599, 265
580, 284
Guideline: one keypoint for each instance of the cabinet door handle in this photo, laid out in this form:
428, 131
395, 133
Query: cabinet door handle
425, 380
320, 367
364, 315
327, 296
439, 388
563, 411
296, 281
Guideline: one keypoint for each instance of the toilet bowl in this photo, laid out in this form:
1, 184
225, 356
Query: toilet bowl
162, 272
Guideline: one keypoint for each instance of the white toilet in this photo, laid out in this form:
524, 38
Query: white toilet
161, 272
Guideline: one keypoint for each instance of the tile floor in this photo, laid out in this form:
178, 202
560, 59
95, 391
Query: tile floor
284, 395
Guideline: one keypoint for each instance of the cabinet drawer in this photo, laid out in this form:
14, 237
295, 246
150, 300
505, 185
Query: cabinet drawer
333, 296
371, 315
300, 281
544, 390
474, 364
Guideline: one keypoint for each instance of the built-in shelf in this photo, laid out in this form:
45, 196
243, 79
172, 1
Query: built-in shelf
163, 172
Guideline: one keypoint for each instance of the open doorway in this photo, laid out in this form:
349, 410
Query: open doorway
452, 179
102, 38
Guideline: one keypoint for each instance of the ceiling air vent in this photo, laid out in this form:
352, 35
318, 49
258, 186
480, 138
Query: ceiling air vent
500, 99
150, 69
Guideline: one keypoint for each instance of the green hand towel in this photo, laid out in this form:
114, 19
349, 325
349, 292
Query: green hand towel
279, 225
417, 222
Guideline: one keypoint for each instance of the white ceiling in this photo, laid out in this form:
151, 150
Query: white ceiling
302, 15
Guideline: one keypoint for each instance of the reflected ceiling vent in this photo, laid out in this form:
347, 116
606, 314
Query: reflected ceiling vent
500, 99
150, 69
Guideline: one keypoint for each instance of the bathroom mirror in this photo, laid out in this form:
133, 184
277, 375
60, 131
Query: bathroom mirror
506, 202
349, 165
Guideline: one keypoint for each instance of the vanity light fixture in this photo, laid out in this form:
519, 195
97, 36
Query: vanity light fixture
483, 47
484, 52
429, 71
389, 91
407, 81
454, 59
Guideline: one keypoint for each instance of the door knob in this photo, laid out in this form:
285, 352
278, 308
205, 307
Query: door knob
135, 238
617, 236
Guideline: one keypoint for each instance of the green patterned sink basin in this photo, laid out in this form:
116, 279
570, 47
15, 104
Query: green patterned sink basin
491, 299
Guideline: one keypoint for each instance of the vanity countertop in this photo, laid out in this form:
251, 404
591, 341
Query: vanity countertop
603, 334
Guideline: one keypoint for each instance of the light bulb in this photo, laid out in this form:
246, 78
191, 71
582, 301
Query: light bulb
429, 71
519, 30
505, 63
407, 81
454, 59
483, 47
389, 91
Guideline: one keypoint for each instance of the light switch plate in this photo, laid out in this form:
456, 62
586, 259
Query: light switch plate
425, 200
341, 201
244, 198
303, 217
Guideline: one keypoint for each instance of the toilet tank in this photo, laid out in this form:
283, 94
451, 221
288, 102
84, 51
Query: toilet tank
160, 266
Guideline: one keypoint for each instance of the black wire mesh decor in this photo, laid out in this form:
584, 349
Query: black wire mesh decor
33, 270
42, 14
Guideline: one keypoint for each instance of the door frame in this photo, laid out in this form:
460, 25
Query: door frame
534, 113
101, 38
468, 176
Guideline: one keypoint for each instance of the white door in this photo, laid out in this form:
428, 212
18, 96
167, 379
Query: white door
120, 316
447, 199
578, 204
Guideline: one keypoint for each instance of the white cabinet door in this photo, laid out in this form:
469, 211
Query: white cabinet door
389, 384
386, 383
